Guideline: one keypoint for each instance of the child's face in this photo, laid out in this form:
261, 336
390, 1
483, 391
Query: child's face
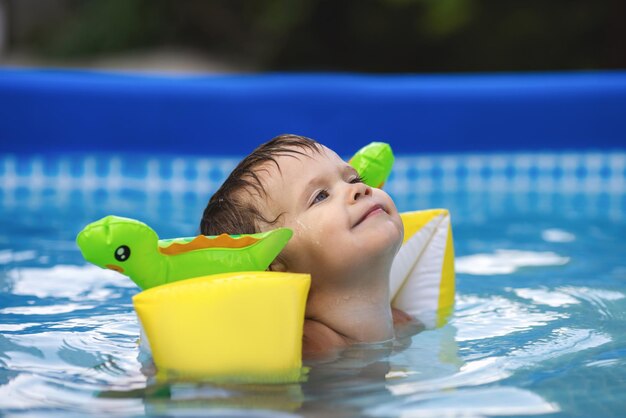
343, 229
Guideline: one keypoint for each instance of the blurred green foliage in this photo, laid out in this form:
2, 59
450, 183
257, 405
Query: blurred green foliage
353, 35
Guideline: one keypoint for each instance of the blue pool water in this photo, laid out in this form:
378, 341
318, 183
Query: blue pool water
540, 307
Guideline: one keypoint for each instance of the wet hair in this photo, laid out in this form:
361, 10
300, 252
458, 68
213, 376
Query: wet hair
232, 208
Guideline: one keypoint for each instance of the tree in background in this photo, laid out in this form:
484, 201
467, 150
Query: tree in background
349, 35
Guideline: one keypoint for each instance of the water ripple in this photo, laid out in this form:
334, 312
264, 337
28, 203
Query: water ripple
562, 341
28, 392
443, 395
602, 300
479, 318
468, 403
506, 261
75, 283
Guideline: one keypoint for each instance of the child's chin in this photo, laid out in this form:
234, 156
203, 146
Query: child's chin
391, 233
388, 243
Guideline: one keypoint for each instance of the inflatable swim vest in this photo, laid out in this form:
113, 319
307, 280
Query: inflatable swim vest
209, 311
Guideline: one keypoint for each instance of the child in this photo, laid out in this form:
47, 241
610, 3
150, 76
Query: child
346, 235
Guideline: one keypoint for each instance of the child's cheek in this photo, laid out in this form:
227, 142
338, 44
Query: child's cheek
310, 232
300, 227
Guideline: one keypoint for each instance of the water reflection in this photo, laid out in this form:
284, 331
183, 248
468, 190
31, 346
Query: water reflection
76, 283
498, 401
507, 261
480, 318
345, 385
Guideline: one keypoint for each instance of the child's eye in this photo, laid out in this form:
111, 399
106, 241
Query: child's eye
322, 195
357, 179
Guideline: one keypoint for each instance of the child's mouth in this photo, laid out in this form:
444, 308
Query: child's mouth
373, 211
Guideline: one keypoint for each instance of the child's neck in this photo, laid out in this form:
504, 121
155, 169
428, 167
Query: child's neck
358, 315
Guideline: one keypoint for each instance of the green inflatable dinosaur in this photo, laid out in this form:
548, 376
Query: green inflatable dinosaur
134, 249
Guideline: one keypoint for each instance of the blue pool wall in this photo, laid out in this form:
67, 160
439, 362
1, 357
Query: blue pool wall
64, 111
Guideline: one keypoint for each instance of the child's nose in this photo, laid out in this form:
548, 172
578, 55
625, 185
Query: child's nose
358, 191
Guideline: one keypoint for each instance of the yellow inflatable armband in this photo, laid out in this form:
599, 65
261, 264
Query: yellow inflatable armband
243, 327
422, 274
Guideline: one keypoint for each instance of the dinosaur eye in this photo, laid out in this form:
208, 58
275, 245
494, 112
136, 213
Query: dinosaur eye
122, 253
